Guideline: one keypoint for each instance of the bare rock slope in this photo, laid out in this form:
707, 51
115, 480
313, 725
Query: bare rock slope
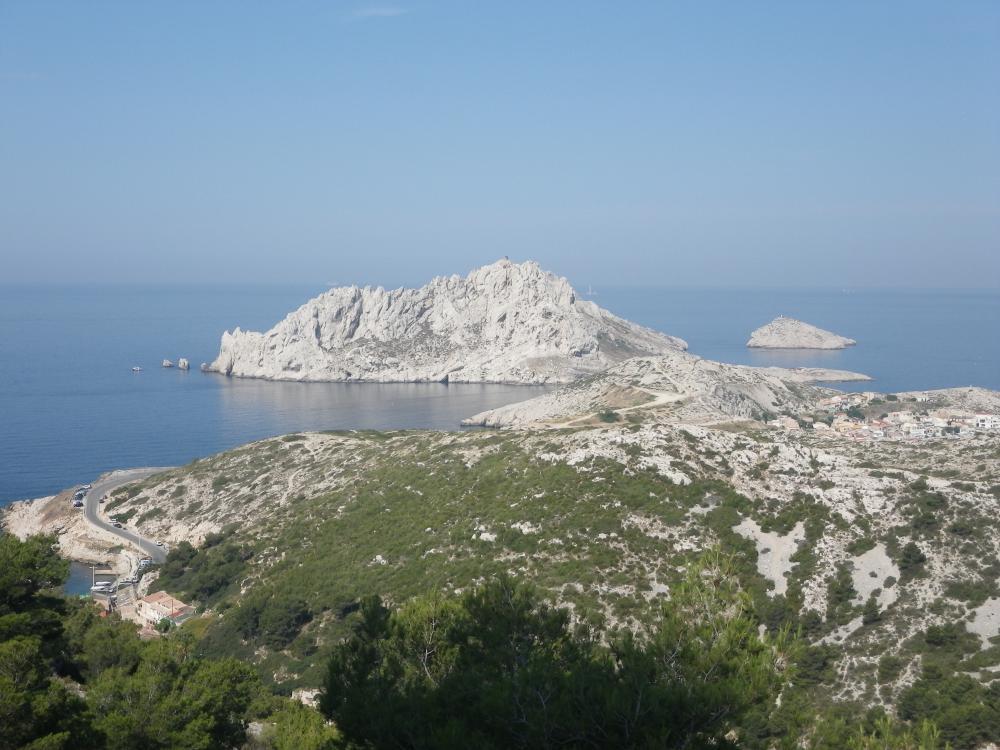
789, 333
503, 323
680, 387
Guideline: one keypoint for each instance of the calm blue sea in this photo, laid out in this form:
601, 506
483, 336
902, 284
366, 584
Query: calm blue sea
907, 339
70, 408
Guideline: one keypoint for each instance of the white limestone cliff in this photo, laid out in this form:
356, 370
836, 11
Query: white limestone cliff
789, 333
503, 323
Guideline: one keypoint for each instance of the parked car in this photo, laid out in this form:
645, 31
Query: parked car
159, 544
117, 525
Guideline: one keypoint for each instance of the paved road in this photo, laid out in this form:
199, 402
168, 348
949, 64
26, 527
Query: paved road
92, 505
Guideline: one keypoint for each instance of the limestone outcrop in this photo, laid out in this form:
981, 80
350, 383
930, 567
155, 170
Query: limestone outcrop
789, 333
678, 387
503, 323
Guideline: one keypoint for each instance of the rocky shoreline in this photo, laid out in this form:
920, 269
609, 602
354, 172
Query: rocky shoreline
79, 541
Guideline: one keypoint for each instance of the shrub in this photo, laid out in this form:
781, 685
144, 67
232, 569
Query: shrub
871, 613
889, 668
220, 481
840, 595
150, 515
911, 560
204, 573
815, 665
275, 619
962, 528
966, 713
124, 517
498, 668
861, 545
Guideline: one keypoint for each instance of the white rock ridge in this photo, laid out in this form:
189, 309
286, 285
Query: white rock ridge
677, 387
503, 323
789, 333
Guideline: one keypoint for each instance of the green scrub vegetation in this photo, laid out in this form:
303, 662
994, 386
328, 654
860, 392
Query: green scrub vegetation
70, 678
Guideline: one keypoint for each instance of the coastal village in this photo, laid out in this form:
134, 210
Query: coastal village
876, 416
129, 597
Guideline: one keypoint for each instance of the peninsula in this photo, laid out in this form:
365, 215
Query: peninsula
789, 333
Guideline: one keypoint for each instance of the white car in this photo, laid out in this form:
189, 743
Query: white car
159, 544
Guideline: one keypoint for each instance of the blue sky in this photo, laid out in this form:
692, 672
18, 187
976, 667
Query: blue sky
699, 143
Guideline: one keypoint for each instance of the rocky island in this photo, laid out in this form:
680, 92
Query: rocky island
789, 333
503, 323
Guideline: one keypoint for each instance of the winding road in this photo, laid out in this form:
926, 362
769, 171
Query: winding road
92, 508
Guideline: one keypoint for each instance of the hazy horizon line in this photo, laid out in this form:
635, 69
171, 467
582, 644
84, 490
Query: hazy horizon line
846, 288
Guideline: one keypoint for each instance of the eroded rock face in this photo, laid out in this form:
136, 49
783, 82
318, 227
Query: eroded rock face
503, 323
789, 333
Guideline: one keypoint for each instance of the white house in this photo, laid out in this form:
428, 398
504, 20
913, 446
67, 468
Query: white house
987, 422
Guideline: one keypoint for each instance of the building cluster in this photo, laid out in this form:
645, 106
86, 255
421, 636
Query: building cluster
150, 610
849, 415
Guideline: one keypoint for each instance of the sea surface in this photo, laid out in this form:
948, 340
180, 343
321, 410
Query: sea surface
70, 407
79, 580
